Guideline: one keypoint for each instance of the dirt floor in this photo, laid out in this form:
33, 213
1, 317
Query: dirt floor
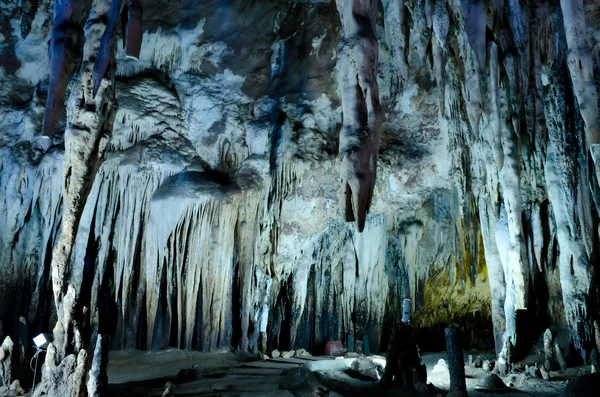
137, 373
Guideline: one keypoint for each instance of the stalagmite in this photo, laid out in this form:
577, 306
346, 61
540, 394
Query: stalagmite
456, 362
361, 129
550, 362
88, 119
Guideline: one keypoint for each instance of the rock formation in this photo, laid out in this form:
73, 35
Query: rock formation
195, 182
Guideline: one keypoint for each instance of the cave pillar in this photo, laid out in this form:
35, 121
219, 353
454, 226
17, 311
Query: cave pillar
361, 129
86, 136
564, 180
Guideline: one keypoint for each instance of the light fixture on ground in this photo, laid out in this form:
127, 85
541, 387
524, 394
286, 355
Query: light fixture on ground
41, 343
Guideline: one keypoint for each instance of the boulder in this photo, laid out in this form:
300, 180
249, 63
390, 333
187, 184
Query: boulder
288, 354
491, 383
334, 348
302, 353
488, 365
478, 361
275, 353
363, 368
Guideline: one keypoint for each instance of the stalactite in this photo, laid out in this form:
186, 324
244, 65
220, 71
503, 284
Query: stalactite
105, 52
396, 36
475, 25
440, 27
64, 56
134, 30
562, 179
361, 129
28, 10
581, 67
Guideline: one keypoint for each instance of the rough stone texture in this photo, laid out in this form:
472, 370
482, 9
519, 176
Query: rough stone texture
334, 348
200, 204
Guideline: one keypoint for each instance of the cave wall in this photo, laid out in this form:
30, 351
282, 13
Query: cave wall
209, 215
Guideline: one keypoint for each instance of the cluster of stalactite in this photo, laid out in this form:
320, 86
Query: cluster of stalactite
150, 247
521, 99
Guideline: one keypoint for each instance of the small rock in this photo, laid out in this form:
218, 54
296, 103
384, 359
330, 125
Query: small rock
441, 366
169, 390
302, 353
16, 386
478, 361
491, 383
275, 354
264, 357
488, 365
287, 354
334, 348
363, 368
533, 371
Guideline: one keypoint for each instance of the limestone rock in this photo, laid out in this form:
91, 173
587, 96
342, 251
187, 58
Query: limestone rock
275, 353
302, 353
488, 365
441, 366
334, 348
6, 352
560, 358
288, 354
169, 390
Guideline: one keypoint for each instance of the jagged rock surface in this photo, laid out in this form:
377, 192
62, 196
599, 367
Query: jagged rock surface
206, 212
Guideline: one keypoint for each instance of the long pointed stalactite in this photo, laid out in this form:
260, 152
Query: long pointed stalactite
65, 53
361, 129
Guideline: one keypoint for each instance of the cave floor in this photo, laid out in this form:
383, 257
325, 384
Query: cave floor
138, 373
